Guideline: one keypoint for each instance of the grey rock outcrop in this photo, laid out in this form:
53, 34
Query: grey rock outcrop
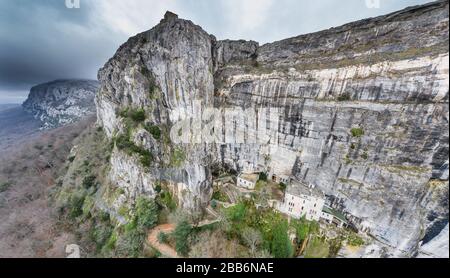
437, 247
361, 112
62, 102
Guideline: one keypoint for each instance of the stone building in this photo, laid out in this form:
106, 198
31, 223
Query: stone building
279, 178
249, 167
247, 181
301, 200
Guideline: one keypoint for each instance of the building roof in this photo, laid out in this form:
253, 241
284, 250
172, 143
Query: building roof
297, 188
249, 177
335, 213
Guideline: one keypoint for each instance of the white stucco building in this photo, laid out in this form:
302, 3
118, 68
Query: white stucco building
247, 181
301, 200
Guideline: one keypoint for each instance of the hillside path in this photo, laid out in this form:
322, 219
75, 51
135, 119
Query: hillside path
164, 249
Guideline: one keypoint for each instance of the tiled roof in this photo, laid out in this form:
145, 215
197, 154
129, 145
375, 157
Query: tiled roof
250, 177
335, 213
297, 188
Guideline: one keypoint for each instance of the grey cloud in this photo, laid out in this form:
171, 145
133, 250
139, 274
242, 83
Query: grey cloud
43, 40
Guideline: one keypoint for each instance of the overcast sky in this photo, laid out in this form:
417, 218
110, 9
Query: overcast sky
43, 40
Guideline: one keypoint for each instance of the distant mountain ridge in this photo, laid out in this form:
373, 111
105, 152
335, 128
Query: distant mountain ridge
8, 106
62, 102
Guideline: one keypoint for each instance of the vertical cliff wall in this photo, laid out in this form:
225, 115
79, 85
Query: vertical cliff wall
360, 111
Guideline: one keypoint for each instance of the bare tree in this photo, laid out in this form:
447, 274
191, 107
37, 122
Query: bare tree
214, 244
252, 239
263, 254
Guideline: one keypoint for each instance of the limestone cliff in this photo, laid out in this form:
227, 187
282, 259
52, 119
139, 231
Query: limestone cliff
360, 111
62, 102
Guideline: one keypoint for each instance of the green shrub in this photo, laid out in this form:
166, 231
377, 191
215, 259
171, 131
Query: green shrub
317, 248
237, 213
260, 185
104, 216
301, 228
163, 238
137, 116
181, 235
314, 228
347, 159
263, 176
89, 181
100, 234
267, 220
335, 246
153, 89
4, 186
158, 187
178, 157
88, 205
123, 211
154, 130
146, 158
130, 244
167, 201
146, 213
124, 143
365, 155
110, 243
76, 202
220, 196
354, 240
283, 186
357, 132
124, 113
281, 246
344, 97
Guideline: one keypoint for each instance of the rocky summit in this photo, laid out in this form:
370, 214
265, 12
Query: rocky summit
61, 102
359, 111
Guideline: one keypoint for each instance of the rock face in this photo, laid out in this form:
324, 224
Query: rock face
360, 111
437, 247
62, 102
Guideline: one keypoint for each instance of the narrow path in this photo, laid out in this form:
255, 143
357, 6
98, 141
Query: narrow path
225, 205
212, 212
207, 222
164, 249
